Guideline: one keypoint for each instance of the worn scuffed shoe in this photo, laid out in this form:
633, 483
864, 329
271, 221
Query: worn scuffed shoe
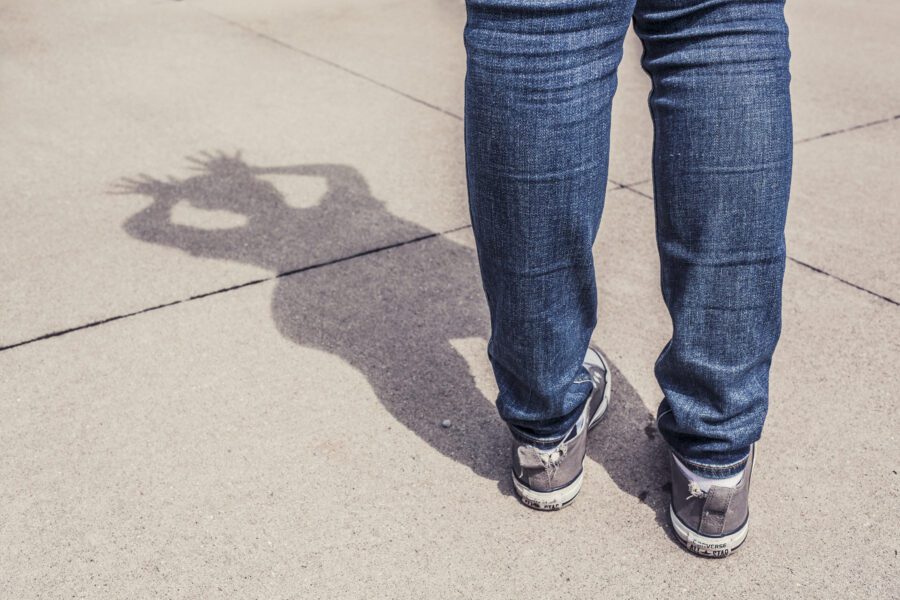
710, 523
548, 477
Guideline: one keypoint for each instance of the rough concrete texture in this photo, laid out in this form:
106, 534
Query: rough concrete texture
276, 191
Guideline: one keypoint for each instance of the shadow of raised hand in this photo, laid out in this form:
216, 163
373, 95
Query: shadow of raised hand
276, 236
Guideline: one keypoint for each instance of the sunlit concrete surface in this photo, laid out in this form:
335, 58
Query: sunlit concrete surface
240, 295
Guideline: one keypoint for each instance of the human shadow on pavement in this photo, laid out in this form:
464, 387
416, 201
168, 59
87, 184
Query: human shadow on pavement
385, 295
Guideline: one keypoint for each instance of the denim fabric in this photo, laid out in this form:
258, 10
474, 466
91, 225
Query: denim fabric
539, 85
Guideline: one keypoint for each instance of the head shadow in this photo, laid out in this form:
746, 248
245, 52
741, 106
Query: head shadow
385, 295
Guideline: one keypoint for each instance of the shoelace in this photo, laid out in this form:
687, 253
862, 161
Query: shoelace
552, 459
694, 491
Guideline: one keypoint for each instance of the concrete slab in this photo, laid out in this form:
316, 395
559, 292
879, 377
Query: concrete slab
284, 440
414, 47
835, 83
99, 92
844, 215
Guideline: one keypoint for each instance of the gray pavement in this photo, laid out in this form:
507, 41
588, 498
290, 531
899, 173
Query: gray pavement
245, 399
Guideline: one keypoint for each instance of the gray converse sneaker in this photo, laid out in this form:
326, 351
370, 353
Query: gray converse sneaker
711, 523
548, 477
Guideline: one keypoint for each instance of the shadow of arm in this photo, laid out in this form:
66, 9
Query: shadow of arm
154, 224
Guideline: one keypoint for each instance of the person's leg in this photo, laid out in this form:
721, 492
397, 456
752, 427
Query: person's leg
539, 83
721, 170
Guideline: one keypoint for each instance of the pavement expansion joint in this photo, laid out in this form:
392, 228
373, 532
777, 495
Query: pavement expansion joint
232, 288
331, 63
844, 281
847, 129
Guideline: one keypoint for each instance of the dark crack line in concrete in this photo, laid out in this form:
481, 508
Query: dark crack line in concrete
637, 191
630, 187
232, 288
330, 63
847, 129
844, 281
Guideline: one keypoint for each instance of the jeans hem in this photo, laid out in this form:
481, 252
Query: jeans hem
713, 471
704, 469
527, 438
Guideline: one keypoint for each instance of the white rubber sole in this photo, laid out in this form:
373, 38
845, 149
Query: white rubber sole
716, 547
560, 498
554, 500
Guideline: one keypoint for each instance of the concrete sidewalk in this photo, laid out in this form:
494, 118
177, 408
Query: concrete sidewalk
244, 399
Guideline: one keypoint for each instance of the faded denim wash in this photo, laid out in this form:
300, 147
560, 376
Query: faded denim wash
539, 85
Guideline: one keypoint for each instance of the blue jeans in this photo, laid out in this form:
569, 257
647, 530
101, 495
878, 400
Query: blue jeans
539, 85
